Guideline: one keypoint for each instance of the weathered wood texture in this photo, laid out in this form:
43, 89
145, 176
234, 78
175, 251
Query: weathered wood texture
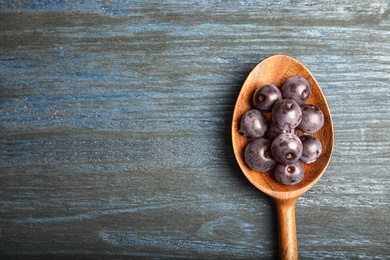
115, 128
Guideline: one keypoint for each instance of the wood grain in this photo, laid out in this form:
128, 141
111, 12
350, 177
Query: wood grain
115, 124
288, 244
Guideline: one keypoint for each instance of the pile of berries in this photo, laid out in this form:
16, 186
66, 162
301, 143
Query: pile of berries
276, 144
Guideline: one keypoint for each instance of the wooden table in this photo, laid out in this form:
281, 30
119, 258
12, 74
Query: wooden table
115, 128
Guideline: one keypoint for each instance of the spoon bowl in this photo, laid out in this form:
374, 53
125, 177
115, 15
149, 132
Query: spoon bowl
275, 70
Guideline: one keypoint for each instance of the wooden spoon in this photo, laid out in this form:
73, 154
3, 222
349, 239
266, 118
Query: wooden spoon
276, 69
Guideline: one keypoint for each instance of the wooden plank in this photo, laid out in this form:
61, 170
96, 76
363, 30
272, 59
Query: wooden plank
115, 128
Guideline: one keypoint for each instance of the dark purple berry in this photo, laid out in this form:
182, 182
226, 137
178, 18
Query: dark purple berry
312, 148
253, 124
286, 148
286, 114
266, 96
296, 88
273, 131
258, 155
312, 119
289, 174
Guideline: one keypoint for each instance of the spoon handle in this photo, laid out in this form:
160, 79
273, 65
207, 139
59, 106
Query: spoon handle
288, 246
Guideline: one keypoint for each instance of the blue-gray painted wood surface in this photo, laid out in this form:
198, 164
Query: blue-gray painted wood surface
115, 128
